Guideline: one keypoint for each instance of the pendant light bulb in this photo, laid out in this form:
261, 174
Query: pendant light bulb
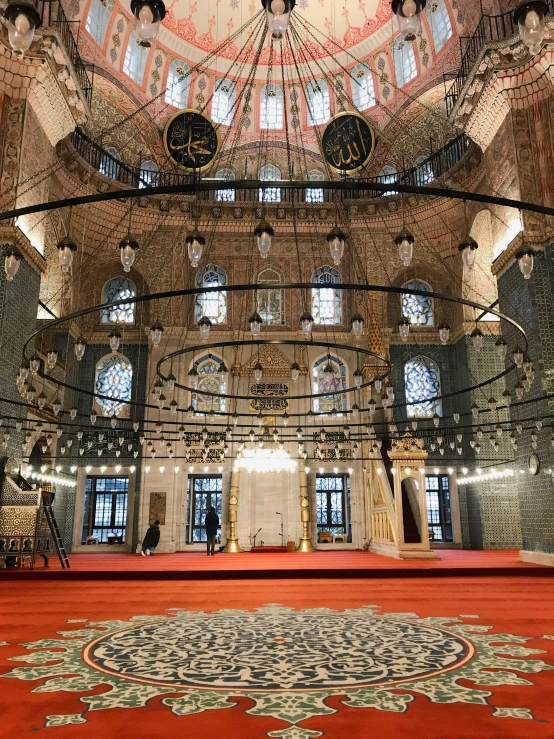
444, 333
204, 326
195, 244
306, 321
79, 348
526, 260
295, 371
115, 339
530, 19
467, 248
128, 252
264, 233
22, 20
12, 261
357, 323
258, 371
336, 239
156, 333
148, 16
358, 377
405, 242
408, 13
66, 251
255, 322
477, 338
278, 16
404, 328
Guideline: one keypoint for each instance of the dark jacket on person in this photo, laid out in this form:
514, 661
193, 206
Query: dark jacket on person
212, 523
152, 537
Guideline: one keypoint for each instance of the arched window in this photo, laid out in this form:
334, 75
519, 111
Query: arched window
363, 90
114, 379
439, 20
149, 174
223, 102
327, 301
178, 84
226, 196
134, 63
417, 308
388, 176
323, 383
270, 299
405, 66
422, 383
315, 194
270, 173
209, 380
119, 288
98, 17
424, 172
319, 106
212, 305
109, 166
271, 106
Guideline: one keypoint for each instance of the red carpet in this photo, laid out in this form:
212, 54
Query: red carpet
333, 564
512, 606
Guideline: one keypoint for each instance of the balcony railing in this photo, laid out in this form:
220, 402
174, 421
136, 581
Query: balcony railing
427, 171
52, 15
489, 29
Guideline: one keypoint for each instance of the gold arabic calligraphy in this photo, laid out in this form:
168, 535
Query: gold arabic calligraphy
345, 145
191, 142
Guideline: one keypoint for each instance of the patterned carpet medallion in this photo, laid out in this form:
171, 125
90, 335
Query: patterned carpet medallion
287, 662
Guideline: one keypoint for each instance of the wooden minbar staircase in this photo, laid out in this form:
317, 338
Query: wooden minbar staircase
28, 526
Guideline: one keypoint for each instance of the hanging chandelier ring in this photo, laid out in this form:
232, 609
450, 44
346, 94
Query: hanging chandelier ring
286, 286
334, 347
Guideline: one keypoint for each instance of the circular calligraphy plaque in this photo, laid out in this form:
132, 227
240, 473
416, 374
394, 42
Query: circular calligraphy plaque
191, 140
348, 142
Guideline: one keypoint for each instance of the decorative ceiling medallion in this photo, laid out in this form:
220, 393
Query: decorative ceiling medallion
348, 142
191, 140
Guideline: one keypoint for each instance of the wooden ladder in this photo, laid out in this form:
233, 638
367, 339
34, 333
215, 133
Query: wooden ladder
55, 531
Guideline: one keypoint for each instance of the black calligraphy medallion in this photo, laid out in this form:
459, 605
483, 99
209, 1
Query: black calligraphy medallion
191, 140
348, 142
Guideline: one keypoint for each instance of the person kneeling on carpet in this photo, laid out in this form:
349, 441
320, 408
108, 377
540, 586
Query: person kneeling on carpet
212, 525
151, 540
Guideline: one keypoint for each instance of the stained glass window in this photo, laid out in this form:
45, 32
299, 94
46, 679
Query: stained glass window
271, 106
212, 305
422, 384
439, 20
315, 194
203, 492
270, 299
114, 378
332, 504
178, 84
136, 56
416, 307
223, 102
388, 176
405, 66
120, 288
321, 383
209, 380
424, 173
319, 106
327, 301
105, 509
98, 17
227, 196
149, 174
270, 173
363, 90
439, 507
108, 167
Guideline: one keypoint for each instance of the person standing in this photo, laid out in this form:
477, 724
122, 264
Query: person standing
151, 540
212, 525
